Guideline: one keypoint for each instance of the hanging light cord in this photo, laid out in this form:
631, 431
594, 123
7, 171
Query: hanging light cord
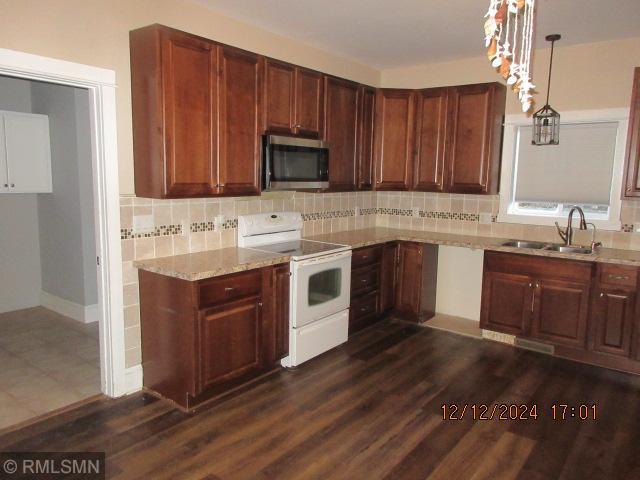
550, 67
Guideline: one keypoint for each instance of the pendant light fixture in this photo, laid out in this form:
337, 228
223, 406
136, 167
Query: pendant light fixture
546, 121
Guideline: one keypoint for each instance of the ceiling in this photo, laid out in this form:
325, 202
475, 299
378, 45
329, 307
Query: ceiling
392, 33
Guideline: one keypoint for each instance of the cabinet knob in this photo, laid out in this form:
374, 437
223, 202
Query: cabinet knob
229, 289
221, 185
530, 285
601, 295
260, 304
13, 185
6, 185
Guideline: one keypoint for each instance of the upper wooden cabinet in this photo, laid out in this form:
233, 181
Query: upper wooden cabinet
440, 139
196, 111
341, 131
294, 100
240, 97
431, 139
476, 113
394, 129
632, 182
174, 97
367, 102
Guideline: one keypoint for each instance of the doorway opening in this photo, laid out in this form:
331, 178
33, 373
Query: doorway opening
77, 300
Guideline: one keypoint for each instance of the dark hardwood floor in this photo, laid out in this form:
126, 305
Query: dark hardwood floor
371, 409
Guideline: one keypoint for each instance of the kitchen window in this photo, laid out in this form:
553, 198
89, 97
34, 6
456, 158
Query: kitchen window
540, 184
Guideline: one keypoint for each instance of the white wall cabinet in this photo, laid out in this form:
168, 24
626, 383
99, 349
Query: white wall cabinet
25, 153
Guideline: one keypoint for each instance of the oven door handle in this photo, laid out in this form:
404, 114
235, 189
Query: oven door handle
324, 259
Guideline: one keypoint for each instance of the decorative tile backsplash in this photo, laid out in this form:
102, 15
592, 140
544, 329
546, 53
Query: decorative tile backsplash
322, 213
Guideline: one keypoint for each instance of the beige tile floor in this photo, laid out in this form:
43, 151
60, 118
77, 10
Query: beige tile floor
47, 361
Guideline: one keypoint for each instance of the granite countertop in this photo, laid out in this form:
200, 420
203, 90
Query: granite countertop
213, 263
372, 236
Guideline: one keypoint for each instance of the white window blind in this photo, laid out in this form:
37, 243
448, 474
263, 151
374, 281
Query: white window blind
578, 170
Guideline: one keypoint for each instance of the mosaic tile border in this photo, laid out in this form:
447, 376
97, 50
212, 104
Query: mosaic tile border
627, 228
328, 215
468, 217
159, 231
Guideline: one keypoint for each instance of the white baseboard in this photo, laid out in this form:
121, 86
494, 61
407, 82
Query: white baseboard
132, 379
81, 313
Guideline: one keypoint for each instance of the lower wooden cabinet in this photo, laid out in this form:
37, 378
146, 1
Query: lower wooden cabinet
415, 297
230, 341
201, 339
588, 312
507, 300
560, 310
397, 278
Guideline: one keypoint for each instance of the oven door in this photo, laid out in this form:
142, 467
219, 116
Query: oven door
321, 287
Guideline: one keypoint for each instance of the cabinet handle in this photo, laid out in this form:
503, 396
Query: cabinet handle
530, 285
601, 295
6, 185
260, 304
13, 185
221, 185
364, 280
229, 289
363, 309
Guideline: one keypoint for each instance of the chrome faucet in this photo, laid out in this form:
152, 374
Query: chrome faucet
567, 234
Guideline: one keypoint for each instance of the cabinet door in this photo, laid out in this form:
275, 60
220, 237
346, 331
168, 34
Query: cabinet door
189, 76
341, 129
475, 116
281, 304
279, 97
507, 301
560, 312
394, 139
632, 181
388, 272
309, 103
27, 153
365, 138
239, 137
409, 281
612, 318
230, 341
431, 135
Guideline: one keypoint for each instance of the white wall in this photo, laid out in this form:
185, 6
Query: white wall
66, 215
459, 282
19, 241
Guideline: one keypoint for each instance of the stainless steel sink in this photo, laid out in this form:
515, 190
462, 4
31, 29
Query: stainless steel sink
569, 249
524, 244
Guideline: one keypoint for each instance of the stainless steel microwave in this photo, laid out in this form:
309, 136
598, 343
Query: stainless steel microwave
291, 163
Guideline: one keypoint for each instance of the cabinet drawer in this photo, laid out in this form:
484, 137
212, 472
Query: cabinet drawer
618, 275
364, 279
364, 306
366, 256
230, 287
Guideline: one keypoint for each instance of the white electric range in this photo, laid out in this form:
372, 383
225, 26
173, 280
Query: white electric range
319, 286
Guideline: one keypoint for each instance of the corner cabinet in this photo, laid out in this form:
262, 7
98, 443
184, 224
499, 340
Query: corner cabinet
294, 100
188, 95
440, 139
202, 339
632, 180
415, 297
394, 130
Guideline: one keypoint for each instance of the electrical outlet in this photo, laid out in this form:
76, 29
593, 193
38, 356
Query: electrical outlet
358, 211
415, 211
143, 224
218, 221
485, 218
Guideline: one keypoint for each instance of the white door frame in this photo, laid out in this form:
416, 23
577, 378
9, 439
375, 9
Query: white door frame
106, 192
